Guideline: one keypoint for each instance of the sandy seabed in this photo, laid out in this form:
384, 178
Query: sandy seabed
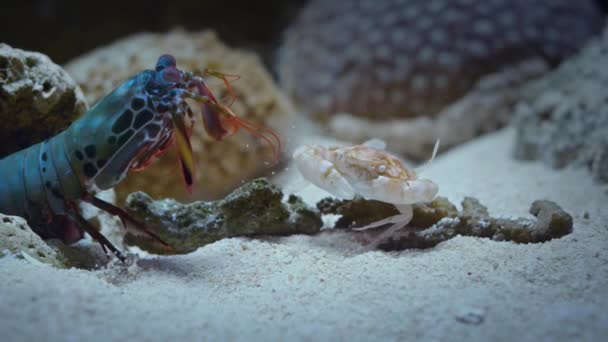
324, 288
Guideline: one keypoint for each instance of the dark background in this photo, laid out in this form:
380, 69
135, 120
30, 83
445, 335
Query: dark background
64, 29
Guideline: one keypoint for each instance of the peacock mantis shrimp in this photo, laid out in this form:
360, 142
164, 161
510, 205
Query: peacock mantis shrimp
126, 130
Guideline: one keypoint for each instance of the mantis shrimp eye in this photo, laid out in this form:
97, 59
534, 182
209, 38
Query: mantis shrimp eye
165, 61
167, 66
171, 75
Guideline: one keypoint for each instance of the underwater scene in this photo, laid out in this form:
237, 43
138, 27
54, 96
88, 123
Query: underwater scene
304, 170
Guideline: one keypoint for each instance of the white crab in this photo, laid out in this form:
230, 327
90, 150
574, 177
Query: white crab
369, 171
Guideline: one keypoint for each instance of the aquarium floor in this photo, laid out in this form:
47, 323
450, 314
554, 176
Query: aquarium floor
323, 287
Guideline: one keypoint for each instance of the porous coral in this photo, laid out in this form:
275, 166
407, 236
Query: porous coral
37, 99
17, 237
221, 165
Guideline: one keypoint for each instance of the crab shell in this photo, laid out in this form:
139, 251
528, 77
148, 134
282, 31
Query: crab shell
363, 170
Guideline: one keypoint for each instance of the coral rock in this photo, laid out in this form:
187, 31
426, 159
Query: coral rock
254, 209
562, 118
221, 166
37, 99
18, 238
440, 220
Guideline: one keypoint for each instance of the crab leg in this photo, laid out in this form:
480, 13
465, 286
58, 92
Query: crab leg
398, 221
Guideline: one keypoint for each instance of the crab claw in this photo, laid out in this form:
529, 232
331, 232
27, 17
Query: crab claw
184, 152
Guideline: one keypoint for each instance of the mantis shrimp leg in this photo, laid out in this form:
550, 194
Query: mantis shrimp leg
96, 235
126, 219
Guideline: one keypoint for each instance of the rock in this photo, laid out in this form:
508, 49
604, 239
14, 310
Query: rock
410, 58
411, 72
361, 212
254, 209
85, 254
551, 220
221, 165
562, 119
37, 99
16, 237
257, 208
440, 220
485, 108
470, 315
357, 212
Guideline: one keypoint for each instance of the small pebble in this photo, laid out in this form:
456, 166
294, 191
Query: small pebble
473, 316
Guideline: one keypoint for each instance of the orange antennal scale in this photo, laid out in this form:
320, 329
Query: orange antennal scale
226, 78
264, 133
259, 131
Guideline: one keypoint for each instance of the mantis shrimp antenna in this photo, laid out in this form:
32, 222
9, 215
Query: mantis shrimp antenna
230, 123
269, 136
221, 126
225, 78
259, 131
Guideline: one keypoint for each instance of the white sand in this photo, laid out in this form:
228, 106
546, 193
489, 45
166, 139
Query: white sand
309, 288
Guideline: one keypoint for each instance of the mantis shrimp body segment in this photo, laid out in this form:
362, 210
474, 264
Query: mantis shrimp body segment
125, 130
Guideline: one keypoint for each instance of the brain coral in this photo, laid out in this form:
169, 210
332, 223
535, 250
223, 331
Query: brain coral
404, 58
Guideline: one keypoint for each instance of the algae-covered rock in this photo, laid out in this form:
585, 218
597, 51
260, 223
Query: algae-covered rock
37, 99
302, 218
16, 237
256, 208
360, 212
428, 214
551, 222
551, 219
356, 212
440, 220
